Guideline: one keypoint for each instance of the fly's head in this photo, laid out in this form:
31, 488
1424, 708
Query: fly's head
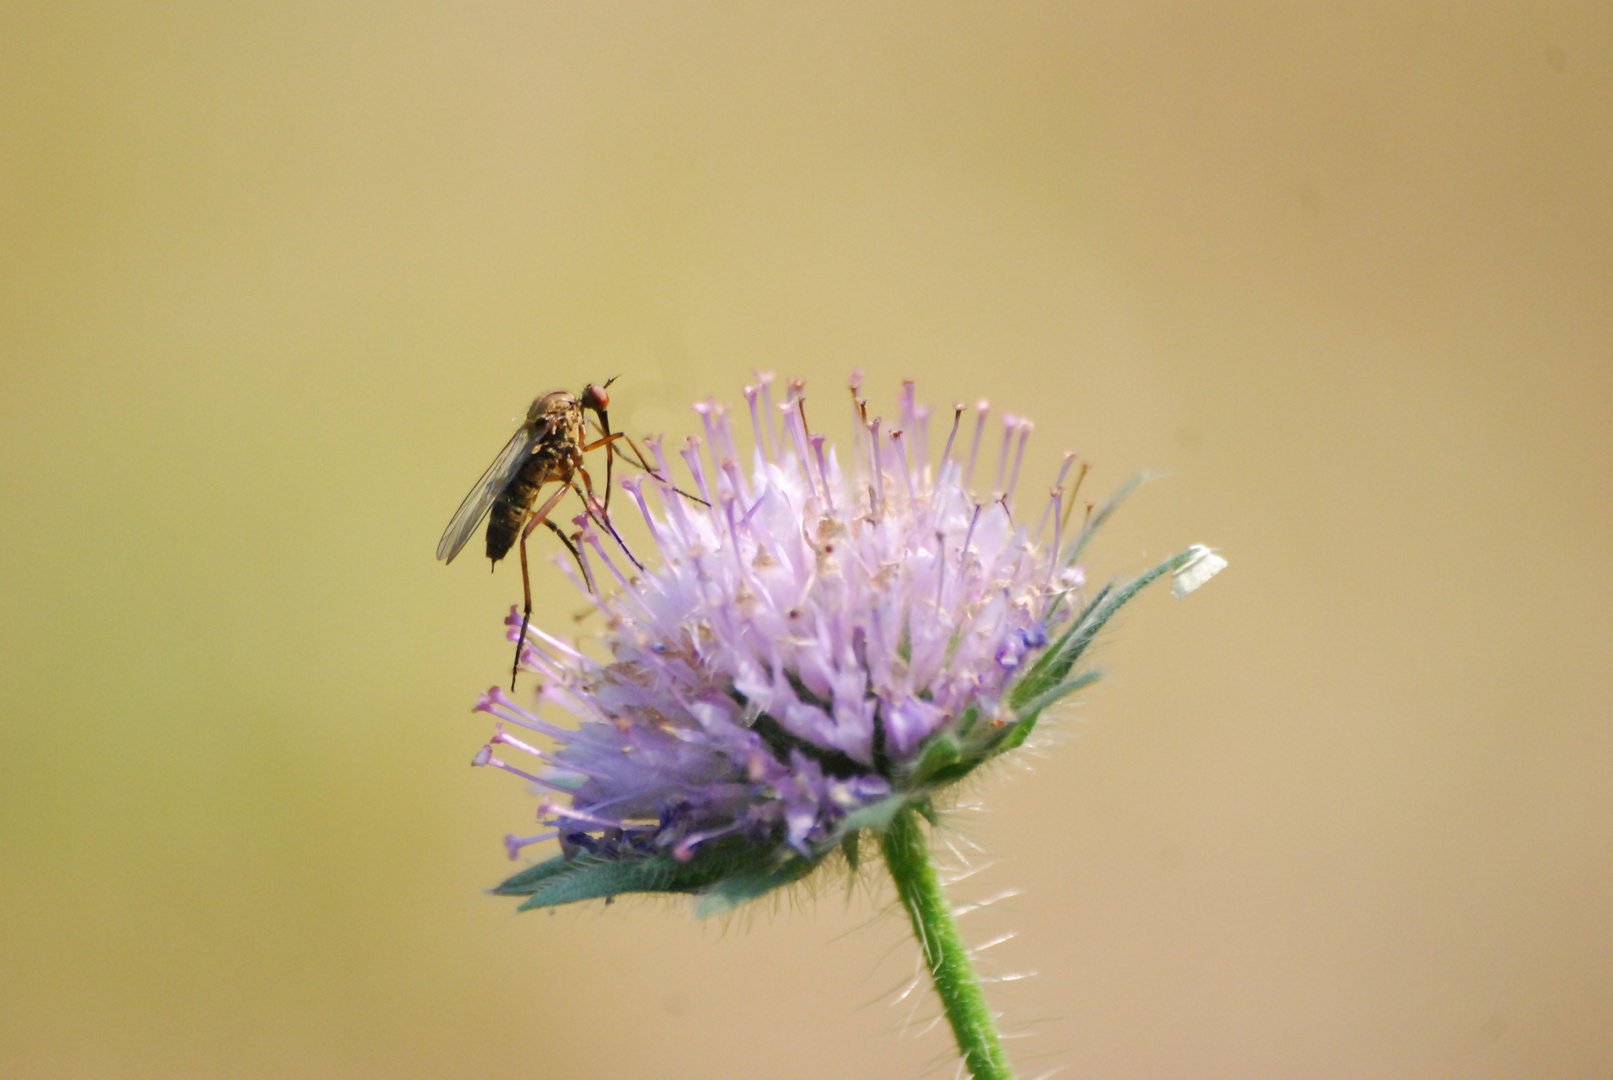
594, 397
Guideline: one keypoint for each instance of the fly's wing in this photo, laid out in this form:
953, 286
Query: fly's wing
493, 482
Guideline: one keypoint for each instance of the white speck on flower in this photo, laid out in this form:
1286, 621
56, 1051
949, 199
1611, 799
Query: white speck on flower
1202, 564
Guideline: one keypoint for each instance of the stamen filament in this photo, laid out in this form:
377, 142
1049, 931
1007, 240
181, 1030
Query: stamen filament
765, 380
981, 409
946, 455
1010, 425
1019, 456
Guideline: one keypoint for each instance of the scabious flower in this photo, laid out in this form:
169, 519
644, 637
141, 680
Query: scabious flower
816, 647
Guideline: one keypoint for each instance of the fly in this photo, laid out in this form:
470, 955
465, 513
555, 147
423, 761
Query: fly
547, 448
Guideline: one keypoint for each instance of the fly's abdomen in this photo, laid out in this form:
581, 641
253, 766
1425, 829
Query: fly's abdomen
509, 510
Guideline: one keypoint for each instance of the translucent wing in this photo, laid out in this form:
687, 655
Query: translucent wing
493, 481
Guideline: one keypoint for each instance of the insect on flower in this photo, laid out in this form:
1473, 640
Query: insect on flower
546, 448
822, 648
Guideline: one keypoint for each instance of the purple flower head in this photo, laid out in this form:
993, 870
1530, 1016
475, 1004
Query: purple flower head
813, 645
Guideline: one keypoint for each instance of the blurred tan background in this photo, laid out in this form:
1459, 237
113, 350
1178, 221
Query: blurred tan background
275, 285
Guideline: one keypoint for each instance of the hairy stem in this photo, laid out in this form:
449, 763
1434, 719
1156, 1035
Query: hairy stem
907, 854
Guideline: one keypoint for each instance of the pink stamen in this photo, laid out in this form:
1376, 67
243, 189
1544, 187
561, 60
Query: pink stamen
904, 459
610, 564
823, 472
673, 502
635, 488
963, 553
744, 521
585, 530
878, 469
577, 815
798, 395
856, 426
796, 427
705, 409
683, 850
725, 432
755, 421
596, 512
982, 409
504, 737
1058, 530
735, 475
1010, 423
564, 698
559, 646
970, 534
765, 380
493, 699
537, 662
1025, 427
921, 445
733, 538
946, 455
513, 844
691, 457
1058, 485
507, 711
484, 756
654, 442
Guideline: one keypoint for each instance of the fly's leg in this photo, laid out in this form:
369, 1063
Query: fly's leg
609, 442
645, 465
526, 616
575, 554
643, 462
590, 501
610, 460
540, 514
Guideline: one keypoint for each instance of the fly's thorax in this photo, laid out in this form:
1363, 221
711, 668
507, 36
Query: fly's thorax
556, 404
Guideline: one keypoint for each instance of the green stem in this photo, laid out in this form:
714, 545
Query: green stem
907, 854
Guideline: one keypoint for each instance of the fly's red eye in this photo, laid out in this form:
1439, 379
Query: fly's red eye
594, 397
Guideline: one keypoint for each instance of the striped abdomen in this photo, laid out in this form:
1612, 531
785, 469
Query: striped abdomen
508, 514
